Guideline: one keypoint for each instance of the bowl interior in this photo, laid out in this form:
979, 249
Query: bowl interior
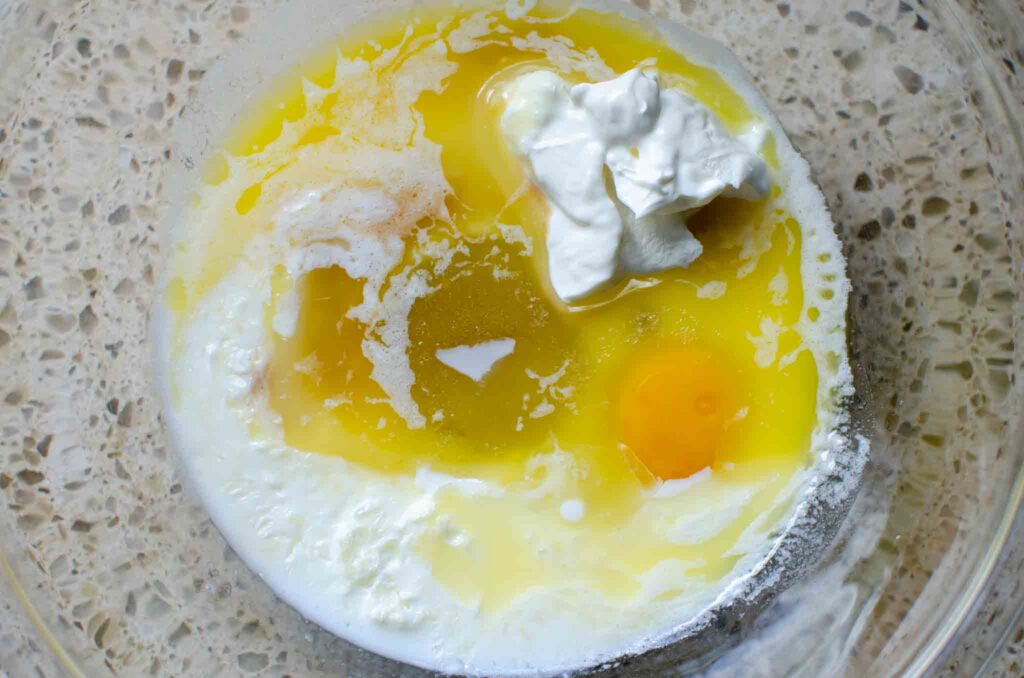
907, 114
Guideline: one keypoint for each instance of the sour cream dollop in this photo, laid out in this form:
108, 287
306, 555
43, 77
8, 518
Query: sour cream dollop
666, 154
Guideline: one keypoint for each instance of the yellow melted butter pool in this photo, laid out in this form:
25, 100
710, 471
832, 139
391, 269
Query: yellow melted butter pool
554, 414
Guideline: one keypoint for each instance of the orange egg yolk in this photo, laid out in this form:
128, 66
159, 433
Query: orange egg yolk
674, 409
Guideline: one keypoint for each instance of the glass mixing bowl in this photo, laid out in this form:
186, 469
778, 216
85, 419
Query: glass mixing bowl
908, 114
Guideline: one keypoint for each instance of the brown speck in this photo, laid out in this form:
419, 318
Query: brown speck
988, 242
969, 293
112, 405
98, 636
783, 9
858, 19
175, 67
888, 217
5, 481
89, 121
870, 230
852, 61
30, 477
920, 24
145, 46
125, 418
863, 183
114, 348
934, 206
250, 628
29, 521
911, 81
84, 47
125, 288
34, 288
119, 216
61, 322
965, 369
81, 526
87, 320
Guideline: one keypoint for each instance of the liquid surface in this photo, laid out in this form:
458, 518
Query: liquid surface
628, 444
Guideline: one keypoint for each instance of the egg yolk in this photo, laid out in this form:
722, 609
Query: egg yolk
674, 408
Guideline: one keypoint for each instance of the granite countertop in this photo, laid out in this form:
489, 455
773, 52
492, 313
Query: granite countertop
112, 566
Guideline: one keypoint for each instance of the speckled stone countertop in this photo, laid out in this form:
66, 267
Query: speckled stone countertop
111, 566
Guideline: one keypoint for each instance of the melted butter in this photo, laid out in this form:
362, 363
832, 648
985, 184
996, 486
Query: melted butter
561, 387
603, 555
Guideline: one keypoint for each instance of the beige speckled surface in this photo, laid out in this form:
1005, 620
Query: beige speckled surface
905, 127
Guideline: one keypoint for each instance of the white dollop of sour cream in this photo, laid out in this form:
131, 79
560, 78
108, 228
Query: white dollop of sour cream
665, 153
